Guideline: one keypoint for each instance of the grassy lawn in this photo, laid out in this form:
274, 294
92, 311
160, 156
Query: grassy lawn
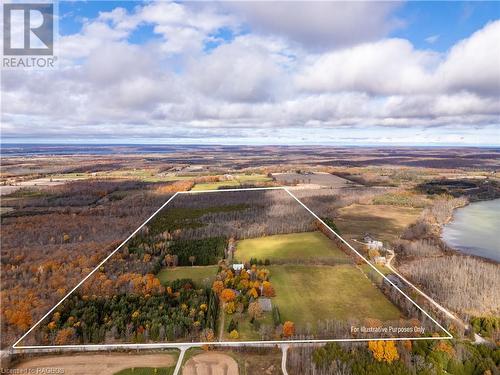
197, 273
245, 329
385, 222
308, 293
294, 247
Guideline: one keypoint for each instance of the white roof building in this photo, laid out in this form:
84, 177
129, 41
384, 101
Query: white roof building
238, 266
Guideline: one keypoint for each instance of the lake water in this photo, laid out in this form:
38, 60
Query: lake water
475, 229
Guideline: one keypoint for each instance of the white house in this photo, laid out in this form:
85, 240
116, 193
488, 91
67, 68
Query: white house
373, 244
238, 266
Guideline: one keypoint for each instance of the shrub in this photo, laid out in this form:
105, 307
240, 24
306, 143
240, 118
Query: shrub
234, 334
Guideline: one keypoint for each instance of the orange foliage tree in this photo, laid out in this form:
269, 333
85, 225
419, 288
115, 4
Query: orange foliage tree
288, 328
64, 336
227, 295
267, 289
218, 287
384, 351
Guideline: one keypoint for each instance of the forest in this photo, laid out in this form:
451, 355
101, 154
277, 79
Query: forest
391, 358
176, 311
51, 240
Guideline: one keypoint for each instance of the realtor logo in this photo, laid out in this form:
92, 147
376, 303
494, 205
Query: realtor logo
28, 29
28, 35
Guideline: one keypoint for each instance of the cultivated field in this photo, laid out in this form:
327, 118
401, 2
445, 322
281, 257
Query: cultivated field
306, 294
211, 363
103, 364
290, 248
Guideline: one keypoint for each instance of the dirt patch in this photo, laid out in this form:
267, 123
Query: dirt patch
103, 364
211, 364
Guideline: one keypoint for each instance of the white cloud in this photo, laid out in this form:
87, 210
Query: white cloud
240, 71
261, 82
394, 66
474, 63
390, 66
320, 24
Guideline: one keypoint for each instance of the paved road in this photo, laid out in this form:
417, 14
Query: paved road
284, 349
181, 358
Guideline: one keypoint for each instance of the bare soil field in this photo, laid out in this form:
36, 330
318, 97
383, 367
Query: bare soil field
211, 364
103, 364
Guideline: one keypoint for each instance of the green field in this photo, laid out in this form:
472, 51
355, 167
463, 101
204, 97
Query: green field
197, 273
236, 181
305, 294
245, 329
146, 175
292, 247
215, 185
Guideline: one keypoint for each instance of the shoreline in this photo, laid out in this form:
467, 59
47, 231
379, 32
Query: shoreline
455, 251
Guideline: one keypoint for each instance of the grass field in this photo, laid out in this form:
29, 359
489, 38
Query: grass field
197, 273
146, 175
237, 181
292, 247
245, 329
215, 185
305, 294
385, 222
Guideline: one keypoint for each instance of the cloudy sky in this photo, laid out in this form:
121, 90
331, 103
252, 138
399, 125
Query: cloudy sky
416, 73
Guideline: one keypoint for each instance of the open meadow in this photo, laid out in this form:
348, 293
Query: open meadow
386, 222
290, 248
201, 275
306, 294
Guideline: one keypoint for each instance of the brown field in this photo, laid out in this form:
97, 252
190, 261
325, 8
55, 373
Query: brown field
103, 364
384, 222
211, 363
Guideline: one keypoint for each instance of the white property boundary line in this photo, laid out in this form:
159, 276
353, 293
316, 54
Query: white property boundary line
222, 343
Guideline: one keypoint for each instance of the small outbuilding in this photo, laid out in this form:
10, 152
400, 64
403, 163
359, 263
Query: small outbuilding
265, 303
238, 266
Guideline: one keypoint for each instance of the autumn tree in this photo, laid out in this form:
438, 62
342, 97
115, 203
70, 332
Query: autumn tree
385, 351
288, 329
254, 310
227, 295
267, 289
217, 287
64, 336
